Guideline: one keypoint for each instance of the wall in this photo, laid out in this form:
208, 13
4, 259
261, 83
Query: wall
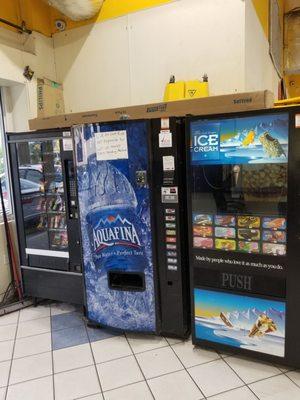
36, 14
259, 70
111, 9
5, 277
128, 60
4, 268
40, 17
21, 96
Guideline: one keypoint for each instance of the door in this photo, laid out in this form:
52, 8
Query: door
115, 212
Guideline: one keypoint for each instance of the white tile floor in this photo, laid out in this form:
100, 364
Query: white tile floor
47, 353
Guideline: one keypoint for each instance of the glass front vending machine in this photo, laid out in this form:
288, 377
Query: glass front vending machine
45, 210
243, 211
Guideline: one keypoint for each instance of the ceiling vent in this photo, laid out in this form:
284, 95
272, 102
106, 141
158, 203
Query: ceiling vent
77, 10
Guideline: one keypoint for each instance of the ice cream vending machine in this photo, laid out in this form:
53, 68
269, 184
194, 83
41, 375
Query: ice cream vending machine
132, 202
243, 210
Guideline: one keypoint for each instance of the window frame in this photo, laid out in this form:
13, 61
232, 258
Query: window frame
3, 143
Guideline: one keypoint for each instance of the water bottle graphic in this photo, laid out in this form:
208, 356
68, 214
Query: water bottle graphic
114, 228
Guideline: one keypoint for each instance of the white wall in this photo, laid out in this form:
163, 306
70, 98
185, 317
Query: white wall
21, 97
259, 70
128, 60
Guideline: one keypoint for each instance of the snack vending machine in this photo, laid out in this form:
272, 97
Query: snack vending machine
45, 210
130, 179
243, 213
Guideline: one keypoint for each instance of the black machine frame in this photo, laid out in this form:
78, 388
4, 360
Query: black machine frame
284, 285
47, 277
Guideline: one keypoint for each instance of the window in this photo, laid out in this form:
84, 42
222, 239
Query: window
3, 167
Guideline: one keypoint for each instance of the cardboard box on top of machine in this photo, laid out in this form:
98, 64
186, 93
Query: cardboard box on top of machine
50, 98
202, 106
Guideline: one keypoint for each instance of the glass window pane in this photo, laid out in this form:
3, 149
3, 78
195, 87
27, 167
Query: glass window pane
42, 195
239, 171
3, 169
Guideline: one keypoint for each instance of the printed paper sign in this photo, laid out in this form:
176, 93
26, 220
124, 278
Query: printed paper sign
168, 163
67, 144
111, 145
165, 139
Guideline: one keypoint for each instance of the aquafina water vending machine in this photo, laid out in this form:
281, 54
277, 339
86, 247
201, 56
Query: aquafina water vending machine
130, 179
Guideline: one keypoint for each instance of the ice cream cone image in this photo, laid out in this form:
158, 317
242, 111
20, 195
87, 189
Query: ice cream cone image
263, 325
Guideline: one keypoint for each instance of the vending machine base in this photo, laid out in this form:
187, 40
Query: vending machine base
243, 198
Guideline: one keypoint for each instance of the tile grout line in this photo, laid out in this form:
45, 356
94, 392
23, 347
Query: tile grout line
89, 395
285, 373
123, 386
52, 357
136, 360
204, 397
12, 356
264, 379
224, 360
225, 391
95, 365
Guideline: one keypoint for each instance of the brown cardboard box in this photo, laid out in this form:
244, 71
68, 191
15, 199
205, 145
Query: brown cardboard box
203, 106
50, 98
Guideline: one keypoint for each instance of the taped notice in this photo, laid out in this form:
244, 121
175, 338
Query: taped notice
169, 195
165, 139
297, 120
168, 163
67, 144
111, 145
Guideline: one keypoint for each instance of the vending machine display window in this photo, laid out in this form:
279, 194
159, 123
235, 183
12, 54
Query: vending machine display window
43, 196
239, 183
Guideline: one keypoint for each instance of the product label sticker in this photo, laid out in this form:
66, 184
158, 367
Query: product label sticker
168, 163
169, 194
165, 139
297, 120
68, 144
111, 145
203, 243
170, 226
170, 211
172, 267
66, 134
202, 230
165, 123
171, 232
170, 239
171, 246
170, 218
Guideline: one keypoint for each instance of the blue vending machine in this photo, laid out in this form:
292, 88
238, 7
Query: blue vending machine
129, 286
